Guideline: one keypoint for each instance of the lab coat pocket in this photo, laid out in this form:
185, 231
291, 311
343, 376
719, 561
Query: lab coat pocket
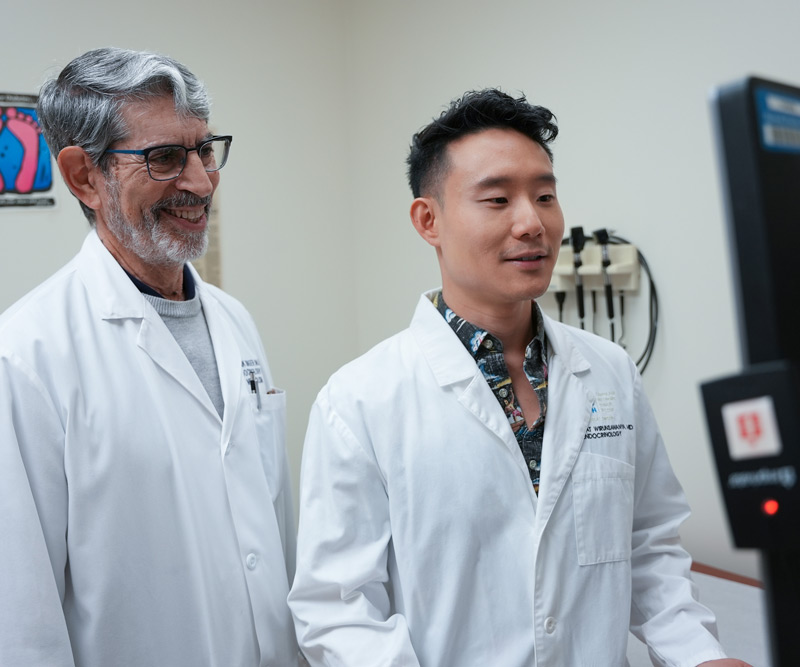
271, 429
602, 491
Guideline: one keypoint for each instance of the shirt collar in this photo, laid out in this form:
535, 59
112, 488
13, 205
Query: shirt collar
188, 284
475, 339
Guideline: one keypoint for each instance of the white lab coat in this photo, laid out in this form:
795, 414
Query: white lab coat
138, 528
422, 541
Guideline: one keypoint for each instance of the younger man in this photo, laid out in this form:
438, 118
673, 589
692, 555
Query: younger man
453, 513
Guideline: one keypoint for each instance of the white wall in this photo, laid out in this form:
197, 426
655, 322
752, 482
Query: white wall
322, 98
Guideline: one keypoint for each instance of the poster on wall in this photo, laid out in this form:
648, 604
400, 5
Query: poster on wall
26, 170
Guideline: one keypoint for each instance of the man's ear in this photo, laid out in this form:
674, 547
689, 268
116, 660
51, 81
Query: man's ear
424, 217
82, 176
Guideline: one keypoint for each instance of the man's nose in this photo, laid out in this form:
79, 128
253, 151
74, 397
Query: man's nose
527, 221
194, 177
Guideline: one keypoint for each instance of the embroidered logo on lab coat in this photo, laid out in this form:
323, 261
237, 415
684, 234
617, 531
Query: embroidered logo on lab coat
251, 371
604, 422
254, 378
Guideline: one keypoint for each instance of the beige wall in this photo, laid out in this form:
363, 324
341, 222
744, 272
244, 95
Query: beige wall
629, 82
276, 73
322, 98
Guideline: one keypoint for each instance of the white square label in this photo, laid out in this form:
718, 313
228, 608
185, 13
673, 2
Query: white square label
751, 428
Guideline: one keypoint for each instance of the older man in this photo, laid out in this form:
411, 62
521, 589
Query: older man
144, 496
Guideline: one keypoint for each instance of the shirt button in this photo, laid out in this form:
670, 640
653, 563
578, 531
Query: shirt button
550, 625
503, 392
488, 343
533, 465
252, 561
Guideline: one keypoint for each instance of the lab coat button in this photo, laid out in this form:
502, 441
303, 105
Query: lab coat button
550, 625
251, 561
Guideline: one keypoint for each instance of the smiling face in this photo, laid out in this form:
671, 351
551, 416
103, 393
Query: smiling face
496, 223
156, 223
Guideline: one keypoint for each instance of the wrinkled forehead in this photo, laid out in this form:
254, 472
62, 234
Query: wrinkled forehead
156, 121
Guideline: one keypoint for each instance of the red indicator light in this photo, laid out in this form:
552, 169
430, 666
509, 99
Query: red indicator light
770, 507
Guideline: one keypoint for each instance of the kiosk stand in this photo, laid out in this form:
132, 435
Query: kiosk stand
753, 418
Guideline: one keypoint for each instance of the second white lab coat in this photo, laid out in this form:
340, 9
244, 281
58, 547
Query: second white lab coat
138, 527
422, 541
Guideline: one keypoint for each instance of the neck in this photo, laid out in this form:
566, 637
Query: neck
166, 279
512, 323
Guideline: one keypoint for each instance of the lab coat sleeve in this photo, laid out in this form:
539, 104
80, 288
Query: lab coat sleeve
340, 600
665, 613
33, 523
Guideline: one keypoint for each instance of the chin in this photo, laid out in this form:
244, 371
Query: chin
181, 248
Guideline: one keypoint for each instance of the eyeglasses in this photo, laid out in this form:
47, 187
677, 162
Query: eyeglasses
167, 162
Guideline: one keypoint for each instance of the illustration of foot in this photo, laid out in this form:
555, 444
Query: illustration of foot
27, 131
2, 182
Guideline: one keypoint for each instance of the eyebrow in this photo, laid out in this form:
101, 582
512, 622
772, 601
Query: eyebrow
494, 181
209, 135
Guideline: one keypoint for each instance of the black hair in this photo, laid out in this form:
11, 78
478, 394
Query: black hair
473, 112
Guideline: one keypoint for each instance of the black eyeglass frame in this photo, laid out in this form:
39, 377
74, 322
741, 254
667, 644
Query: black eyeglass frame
227, 138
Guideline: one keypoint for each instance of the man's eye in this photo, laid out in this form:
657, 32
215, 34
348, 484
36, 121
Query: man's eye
165, 157
498, 200
547, 198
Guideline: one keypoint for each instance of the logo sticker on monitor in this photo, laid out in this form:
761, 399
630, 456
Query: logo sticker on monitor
779, 120
751, 428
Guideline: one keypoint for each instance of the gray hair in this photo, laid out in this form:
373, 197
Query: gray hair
83, 105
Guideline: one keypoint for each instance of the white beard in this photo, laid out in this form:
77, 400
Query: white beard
150, 241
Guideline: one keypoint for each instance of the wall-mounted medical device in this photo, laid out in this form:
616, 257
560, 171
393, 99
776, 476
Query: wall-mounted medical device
595, 273
622, 269
753, 417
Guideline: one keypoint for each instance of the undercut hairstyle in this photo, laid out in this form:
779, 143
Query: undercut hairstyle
473, 112
83, 105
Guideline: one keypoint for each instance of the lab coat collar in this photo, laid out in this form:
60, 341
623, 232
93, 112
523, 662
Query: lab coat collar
109, 286
452, 363
447, 358
563, 345
115, 295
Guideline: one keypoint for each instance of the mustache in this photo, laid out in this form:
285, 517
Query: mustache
179, 200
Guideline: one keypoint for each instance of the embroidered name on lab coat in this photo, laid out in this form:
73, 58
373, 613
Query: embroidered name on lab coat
607, 430
604, 422
252, 366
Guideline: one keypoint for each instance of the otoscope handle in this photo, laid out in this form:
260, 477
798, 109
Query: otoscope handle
609, 301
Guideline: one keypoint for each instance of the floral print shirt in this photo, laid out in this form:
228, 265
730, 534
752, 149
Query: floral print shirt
488, 353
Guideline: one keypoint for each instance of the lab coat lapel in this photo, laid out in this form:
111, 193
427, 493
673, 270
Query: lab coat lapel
454, 367
478, 398
117, 298
159, 343
569, 408
229, 361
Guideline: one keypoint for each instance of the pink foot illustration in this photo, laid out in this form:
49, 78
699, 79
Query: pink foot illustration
27, 131
2, 182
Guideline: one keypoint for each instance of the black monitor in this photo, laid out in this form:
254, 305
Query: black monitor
753, 417
758, 138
